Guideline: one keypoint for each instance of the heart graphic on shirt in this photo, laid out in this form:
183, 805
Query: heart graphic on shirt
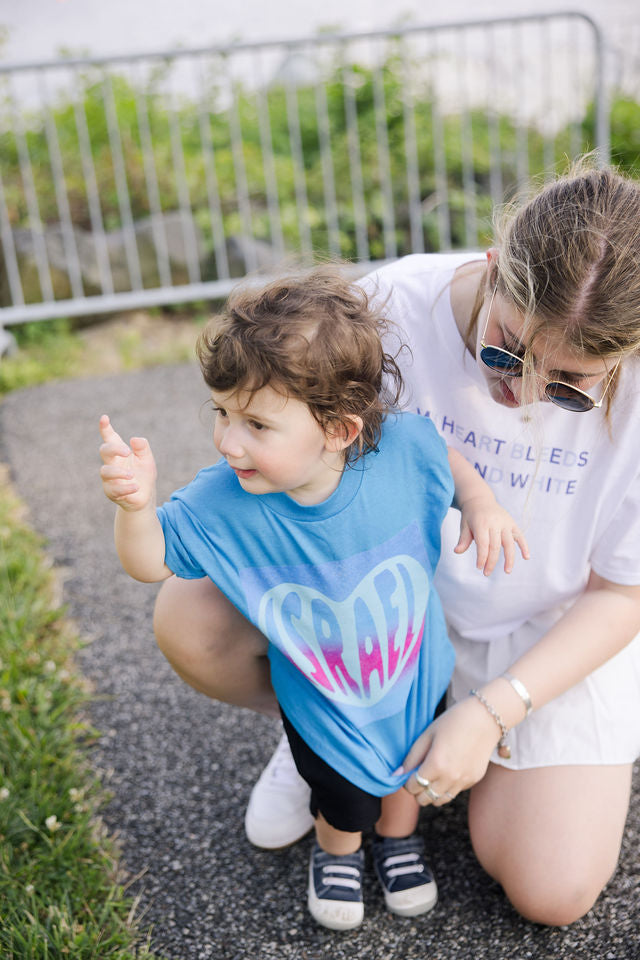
354, 650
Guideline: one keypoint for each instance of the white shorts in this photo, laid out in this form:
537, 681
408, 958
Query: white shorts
595, 722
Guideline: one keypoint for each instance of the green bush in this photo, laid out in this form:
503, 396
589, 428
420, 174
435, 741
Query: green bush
625, 133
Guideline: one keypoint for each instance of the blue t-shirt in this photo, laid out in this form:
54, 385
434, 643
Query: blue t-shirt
342, 589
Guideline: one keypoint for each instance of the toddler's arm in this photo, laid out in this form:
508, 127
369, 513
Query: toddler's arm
483, 519
129, 480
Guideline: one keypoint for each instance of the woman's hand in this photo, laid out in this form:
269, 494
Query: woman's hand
129, 471
452, 754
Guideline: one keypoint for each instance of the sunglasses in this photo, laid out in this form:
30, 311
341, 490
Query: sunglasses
563, 394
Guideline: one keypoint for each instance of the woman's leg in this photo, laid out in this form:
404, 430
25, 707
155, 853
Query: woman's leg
218, 652
550, 836
212, 646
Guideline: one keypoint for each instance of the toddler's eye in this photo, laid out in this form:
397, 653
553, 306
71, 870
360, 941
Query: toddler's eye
220, 411
256, 425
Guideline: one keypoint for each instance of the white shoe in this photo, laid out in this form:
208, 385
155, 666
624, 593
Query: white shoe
278, 812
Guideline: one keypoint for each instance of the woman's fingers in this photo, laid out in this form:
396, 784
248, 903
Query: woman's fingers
429, 792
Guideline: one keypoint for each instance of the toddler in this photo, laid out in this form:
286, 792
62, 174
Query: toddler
321, 523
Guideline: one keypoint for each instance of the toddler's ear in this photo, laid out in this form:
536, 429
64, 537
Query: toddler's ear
341, 435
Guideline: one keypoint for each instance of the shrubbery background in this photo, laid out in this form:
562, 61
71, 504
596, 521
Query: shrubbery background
186, 118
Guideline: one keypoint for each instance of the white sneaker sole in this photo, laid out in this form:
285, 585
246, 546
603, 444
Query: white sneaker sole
268, 835
334, 914
278, 813
412, 902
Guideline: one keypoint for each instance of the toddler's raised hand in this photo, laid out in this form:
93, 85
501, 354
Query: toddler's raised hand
129, 470
493, 529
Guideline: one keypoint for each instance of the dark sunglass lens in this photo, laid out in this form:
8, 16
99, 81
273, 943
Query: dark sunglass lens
500, 360
567, 397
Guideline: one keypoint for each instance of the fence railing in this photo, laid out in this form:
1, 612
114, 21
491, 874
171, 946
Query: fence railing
160, 178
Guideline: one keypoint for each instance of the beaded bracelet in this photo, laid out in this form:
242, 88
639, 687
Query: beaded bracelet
504, 750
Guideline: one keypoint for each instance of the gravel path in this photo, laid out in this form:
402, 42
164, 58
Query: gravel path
181, 768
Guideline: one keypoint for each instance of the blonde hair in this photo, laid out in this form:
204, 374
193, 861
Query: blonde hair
315, 336
569, 261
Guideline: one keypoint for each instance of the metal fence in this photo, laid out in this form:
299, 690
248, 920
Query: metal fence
159, 178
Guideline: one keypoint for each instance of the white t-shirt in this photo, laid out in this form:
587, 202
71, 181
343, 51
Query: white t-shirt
571, 480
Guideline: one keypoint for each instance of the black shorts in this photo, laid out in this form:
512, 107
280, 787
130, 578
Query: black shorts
343, 805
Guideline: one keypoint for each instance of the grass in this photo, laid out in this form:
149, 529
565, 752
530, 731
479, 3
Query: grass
54, 349
45, 351
61, 894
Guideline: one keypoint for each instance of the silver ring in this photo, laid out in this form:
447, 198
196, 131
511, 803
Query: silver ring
432, 794
421, 780
450, 795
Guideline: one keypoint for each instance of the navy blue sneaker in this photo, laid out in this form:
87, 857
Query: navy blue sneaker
335, 889
404, 875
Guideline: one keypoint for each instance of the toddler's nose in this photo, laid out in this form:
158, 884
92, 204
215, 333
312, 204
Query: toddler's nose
229, 444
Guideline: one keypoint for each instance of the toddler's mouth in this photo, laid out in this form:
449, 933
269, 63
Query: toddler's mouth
244, 474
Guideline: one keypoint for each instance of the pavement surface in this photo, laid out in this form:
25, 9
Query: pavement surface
180, 768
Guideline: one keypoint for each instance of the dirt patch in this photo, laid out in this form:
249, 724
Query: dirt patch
128, 341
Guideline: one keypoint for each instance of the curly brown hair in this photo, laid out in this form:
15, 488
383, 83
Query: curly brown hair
315, 336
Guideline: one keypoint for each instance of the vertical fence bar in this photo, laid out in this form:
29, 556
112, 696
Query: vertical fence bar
7, 244
299, 178
548, 121
211, 182
9, 252
268, 162
242, 188
496, 186
184, 199
522, 139
355, 163
93, 198
31, 199
440, 162
122, 187
575, 131
326, 160
70, 249
151, 183
603, 132
411, 153
384, 164
466, 147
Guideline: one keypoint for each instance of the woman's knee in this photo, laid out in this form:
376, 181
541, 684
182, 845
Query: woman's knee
211, 646
196, 626
550, 836
540, 888
559, 901
192, 618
